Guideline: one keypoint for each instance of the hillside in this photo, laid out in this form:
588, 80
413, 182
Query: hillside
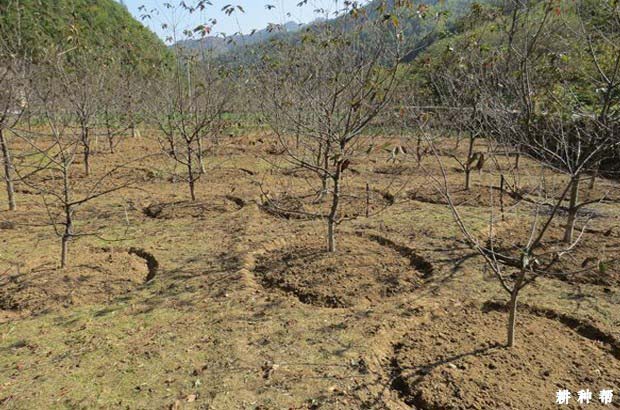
566, 73
421, 26
220, 44
32, 26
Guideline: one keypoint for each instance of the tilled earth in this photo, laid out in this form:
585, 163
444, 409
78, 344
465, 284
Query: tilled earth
247, 311
448, 363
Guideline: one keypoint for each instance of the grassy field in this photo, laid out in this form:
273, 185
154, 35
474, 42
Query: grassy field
247, 311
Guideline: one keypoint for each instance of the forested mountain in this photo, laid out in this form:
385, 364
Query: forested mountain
421, 24
221, 44
568, 52
30, 27
576, 47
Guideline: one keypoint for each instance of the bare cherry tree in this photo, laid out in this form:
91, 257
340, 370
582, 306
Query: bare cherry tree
14, 90
320, 95
12, 105
116, 117
190, 114
527, 105
599, 29
515, 260
50, 168
83, 79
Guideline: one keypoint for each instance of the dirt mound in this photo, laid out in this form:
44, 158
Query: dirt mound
355, 202
603, 189
398, 169
288, 207
481, 196
457, 362
419, 262
594, 260
362, 271
107, 274
196, 209
598, 256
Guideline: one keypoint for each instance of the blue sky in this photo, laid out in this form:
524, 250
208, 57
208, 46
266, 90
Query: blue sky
256, 15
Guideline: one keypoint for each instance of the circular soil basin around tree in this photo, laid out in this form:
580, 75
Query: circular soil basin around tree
459, 362
354, 202
196, 209
477, 196
361, 272
94, 275
398, 169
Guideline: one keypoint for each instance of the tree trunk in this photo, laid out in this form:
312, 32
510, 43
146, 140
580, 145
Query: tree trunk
572, 210
192, 188
594, 175
8, 167
367, 200
467, 178
109, 132
132, 120
333, 213
200, 157
63, 251
512, 317
190, 174
517, 158
470, 153
66, 237
86, 144
418, 150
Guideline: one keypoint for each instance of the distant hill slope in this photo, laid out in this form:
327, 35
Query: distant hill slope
220, 44
31, 26
422, 25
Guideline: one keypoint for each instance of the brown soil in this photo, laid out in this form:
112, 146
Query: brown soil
353, 204
596, 259
477, 195
456, 362
600, 255
398, 169
197, 209
217, 328
109, 273
361, 272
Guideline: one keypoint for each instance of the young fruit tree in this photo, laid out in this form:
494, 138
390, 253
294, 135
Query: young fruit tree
320, 96
82, 77
190, 114
13, 103
456, 95
555, 120
516, 259
530, 106
14, 63
116, 118
49, 166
